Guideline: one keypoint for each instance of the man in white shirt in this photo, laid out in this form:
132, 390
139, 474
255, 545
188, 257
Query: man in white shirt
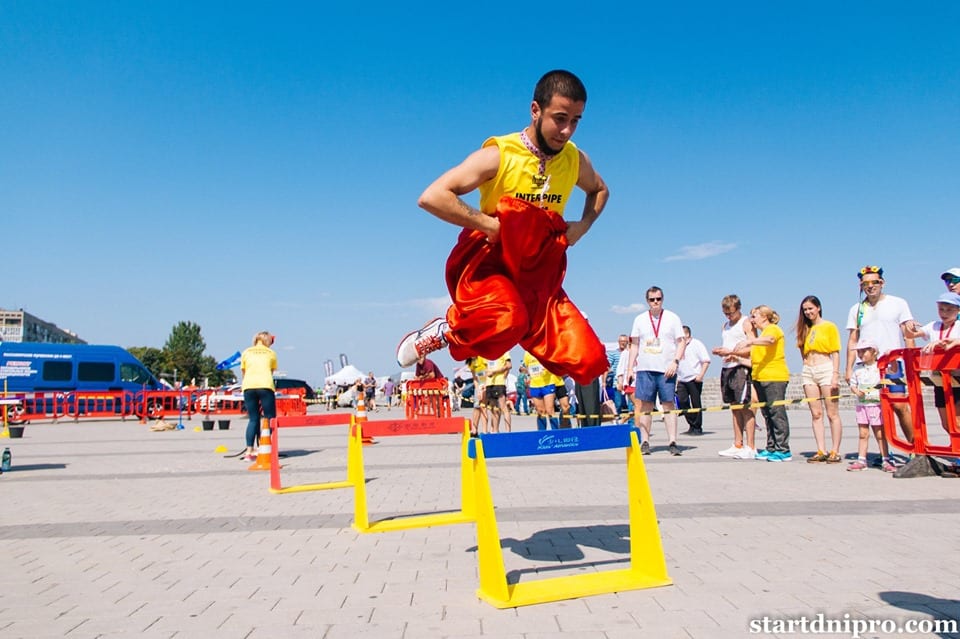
656, 348
735, 377
690, 372
882, 319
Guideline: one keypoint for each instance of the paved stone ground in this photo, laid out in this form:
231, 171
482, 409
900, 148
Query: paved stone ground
110, 530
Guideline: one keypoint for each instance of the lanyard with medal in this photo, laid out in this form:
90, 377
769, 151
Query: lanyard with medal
653, 345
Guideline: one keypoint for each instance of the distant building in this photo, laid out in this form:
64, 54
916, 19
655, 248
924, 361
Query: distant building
21, 326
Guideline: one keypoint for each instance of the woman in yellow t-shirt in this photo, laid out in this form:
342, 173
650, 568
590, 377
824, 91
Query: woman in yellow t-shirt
819, 343
259, 395
770, 379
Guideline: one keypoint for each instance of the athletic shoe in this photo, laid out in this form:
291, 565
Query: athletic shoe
745, 453
428, 339
762, 455
645, 448
780, 457
857, 465
695, 432
674, 449
888, 467
730, 452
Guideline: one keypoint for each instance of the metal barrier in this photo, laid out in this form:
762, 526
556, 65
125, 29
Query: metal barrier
427, 398
938, 369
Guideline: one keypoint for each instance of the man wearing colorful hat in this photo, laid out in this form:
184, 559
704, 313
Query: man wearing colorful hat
886, 321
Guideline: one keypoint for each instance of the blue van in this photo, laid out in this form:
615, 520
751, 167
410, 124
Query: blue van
28, 367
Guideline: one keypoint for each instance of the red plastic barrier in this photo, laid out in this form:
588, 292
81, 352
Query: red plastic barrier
427, 398
97, 404
387, 428
291, 402
39, 405
158, 404
213, 401
309, 421
940, 368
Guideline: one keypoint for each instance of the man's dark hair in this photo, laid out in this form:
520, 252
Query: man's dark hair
559, 82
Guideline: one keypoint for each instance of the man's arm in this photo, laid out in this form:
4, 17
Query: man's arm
704, 362
442, 198
632, 358
597, 194
909, 329
671, 369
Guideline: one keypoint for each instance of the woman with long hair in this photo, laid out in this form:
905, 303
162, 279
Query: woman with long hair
819, 343
770, 378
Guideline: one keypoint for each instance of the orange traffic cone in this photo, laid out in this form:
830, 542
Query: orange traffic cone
263, 451
361, 418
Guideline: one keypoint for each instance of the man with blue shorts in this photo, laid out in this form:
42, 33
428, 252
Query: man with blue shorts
882, 319
657, 343
542, 392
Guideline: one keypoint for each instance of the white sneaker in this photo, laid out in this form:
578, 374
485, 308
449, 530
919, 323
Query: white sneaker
730, 452
428, 339
745, 453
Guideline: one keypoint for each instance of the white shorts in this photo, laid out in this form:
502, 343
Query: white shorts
817, 375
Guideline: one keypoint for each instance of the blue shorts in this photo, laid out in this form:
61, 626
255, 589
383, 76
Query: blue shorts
542, 391
650, 384
895, 374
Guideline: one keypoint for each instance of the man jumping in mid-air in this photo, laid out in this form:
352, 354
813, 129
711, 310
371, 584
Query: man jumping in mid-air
505, 273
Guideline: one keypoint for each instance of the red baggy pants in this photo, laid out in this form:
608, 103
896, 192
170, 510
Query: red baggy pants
511, 293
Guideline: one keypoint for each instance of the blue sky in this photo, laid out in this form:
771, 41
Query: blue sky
251, 167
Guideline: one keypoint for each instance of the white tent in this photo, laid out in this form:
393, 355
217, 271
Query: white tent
349, 374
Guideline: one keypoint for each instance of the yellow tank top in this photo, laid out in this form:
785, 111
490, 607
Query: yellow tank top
519, 175
539, 376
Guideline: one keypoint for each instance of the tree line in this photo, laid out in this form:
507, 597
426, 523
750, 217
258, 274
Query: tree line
182, 358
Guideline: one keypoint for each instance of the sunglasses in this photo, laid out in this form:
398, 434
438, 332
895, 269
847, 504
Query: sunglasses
870, 283
654, 299
950, 281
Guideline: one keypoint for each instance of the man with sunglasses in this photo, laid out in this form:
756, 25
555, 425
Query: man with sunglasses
885, 320
657, 343
951, 279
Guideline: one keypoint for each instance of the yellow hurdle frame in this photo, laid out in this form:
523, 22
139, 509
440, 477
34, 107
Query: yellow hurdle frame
361, 515
647, 569
275, 484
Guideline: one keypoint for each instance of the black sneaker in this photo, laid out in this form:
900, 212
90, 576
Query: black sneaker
645, 448
693, 431
674, 449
